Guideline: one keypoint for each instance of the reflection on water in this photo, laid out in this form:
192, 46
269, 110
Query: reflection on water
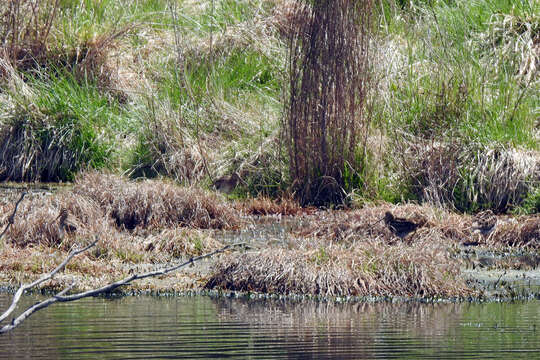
201, 327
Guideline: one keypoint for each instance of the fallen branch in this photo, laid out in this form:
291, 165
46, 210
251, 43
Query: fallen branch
46, 277
11, 217
61, 297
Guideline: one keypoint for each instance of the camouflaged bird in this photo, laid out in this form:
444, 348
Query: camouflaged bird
485, 222
399, 226
65, 224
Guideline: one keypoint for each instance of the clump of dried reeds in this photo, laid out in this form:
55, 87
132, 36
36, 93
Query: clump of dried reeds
467, 178
155, 204
368, 269
524, 233
325, 118
37, 221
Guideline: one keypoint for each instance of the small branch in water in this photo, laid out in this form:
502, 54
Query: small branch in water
61, 296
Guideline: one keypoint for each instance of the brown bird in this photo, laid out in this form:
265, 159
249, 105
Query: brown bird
65, 224
399, 226
484, 222
226, 184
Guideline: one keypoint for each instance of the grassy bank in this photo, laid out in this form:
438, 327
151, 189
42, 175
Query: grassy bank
196, 90
460, 87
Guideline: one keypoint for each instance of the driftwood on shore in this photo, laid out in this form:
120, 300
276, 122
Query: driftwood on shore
62, 297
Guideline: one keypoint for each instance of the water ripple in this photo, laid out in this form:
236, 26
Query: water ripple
205, 328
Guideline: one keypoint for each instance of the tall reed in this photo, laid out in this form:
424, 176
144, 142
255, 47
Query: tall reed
24, 30
324, 114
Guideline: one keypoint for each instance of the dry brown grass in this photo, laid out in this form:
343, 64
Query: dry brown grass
37, 224
523, 233
441, 226
367, 223
36, 221
370, 268
34, 245
179, 242
154, 204
466, 177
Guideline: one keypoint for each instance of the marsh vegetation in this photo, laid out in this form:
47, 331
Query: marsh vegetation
427, 109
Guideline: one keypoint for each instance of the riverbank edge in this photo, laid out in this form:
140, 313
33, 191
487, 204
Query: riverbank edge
502, 291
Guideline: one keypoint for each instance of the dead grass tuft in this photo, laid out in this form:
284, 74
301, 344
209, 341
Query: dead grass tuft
367, 269
36, 222
523, 233
155, 204
289, 17
180, 242
91, 59
468, 178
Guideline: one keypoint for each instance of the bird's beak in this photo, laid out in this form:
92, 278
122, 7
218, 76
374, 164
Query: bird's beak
376, 222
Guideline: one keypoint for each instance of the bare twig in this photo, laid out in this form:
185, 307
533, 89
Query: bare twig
46, 277
125, 281
32, 309
11, 217
60, 297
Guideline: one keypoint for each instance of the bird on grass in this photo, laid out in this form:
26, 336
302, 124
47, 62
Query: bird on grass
226, 184
399, 226
65, 224
484, 222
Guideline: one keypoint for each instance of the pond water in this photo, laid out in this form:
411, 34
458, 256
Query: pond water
201, 327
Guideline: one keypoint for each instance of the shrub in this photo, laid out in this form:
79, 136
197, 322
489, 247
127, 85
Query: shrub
328, 79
